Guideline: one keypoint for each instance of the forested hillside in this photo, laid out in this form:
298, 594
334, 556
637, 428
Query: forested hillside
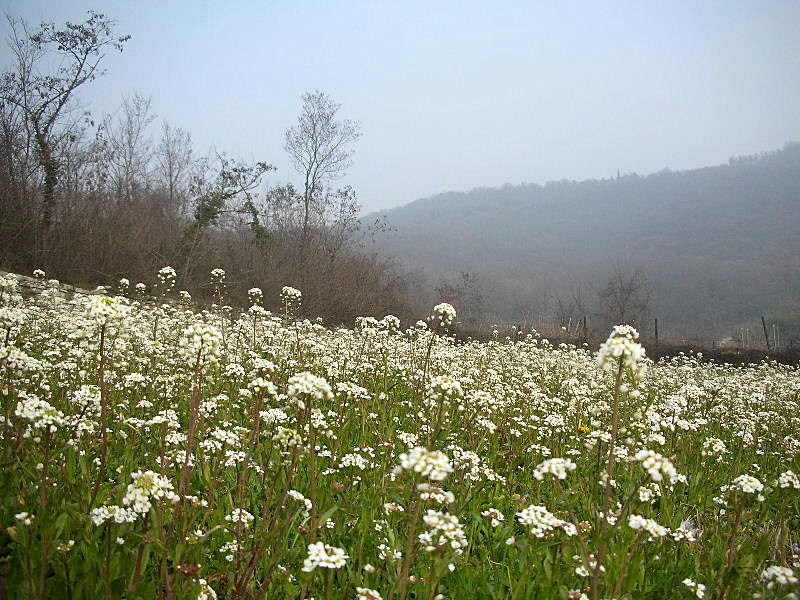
716, 247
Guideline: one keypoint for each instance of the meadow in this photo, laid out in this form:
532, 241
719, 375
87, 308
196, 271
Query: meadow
152, 449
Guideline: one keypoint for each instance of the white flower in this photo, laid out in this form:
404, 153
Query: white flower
240, 515
657, 466
255, 295
290, 296
308, 385
557, 467
698, 588
496, 516
444, 313
621, 345
322, 555
748, 484
41, 413
166, 276
542, 520
300, 498
714, 447
433, 464
148, 485
367, 594
105, 309
432, 492
444, 531
648, 493
639, 523
445, 386
201, 338
24, 518
777, 575
116, 513
206, 591
788, 479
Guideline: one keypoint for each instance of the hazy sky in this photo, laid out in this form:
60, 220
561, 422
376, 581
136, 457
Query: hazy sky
456, 95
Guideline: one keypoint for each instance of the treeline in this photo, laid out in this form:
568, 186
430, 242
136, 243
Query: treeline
706, 251
91, 201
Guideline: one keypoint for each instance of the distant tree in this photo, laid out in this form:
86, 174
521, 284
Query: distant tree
625, 297
43, 93
571, 307
466, 294
230, 191
129, 147
174, 162
320, 147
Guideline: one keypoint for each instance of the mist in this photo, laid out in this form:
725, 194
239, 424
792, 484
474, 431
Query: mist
456, 95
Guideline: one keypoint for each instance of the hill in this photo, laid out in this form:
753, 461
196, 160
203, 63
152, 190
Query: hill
719, 246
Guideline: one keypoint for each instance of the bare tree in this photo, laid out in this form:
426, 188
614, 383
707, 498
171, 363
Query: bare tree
320, 147
174, 162
625, 297
129, 147
466, 293
44, 95
570, 307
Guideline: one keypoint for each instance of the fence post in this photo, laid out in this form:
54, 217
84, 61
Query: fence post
766, 335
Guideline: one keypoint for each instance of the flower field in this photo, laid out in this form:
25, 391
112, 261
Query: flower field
151, 450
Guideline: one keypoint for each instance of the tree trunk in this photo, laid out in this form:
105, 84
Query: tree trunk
50, 167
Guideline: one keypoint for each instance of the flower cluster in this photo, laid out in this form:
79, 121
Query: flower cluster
557, 467
788, 479
201, 339
307, 385
324, 556
496, 516
777, 575
240, 515
41, 413
621, 345
433, 464
25, 518
657, 466
444, 531
698, 588
148, 485
218, 276
117, 514
714, 447
255, 295
444, 314
747, 484
435, 493
290, 297
106, 309
541, 521
640, 523
166, 277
